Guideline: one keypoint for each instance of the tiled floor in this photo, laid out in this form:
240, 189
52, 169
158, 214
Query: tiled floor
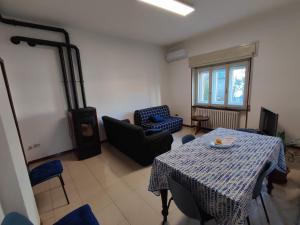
116, 189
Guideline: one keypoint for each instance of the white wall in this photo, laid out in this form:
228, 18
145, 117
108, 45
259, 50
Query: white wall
1, 213
16, 192
276, 76
120, 76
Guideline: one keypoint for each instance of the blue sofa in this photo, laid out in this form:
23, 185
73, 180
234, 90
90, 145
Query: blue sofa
171, 124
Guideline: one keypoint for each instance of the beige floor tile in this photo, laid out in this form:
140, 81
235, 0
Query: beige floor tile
77, 169
146, 171
98, 200
72, 193
106, 177
118, 190
64, 210
137, 211
110, 215
58, 197
47, 215
153, 200
136, 180
44, 202
87, 183
87, 189
42, 187
54, 183
50, 221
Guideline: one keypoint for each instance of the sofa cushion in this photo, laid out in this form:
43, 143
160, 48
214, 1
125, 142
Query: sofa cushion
157, 118
171, 124
152, 131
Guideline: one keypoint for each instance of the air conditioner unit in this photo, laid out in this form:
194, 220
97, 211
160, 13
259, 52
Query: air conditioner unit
175, 55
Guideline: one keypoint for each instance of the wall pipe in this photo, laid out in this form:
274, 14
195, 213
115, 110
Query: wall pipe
33, 41
67, 45
64, 72
80, 73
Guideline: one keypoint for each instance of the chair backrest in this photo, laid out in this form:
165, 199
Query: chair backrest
123, 135
187, 138
15, 218
184, 200
267, 169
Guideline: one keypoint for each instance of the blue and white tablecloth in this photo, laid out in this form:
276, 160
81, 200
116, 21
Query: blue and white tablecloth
221, 180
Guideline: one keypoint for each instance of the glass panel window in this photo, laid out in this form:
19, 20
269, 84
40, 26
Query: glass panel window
221, 86
237, 82
218, 86
203, 87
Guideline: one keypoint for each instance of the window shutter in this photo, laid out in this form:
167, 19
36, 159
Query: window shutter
223, 56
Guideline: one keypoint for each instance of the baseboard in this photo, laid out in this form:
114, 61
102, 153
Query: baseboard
185, 125
57, 154
50, 156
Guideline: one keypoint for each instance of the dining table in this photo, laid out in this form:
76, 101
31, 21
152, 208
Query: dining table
221, 180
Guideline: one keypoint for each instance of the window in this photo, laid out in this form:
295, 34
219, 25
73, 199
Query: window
224, 86
218, 86
203, 87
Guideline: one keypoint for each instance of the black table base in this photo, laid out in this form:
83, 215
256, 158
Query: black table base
164, 201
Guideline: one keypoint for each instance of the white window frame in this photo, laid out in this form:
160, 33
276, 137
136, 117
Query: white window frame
211, 79
227, 66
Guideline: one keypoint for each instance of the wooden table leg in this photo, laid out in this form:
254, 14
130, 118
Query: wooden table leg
198, 127
164, 201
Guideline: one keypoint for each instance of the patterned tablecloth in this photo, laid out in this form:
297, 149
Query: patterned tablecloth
221, 180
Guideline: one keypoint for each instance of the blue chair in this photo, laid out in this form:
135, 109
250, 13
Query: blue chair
185, 201
47, 171
187, 138
80, 216
267, 169
15, 218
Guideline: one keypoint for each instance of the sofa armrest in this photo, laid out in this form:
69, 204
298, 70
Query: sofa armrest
159, 142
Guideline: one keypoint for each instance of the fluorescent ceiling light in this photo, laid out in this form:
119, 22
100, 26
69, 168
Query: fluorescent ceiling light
171, 5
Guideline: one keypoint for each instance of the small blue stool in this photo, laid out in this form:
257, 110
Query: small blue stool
187, 138
80, 216
47, 171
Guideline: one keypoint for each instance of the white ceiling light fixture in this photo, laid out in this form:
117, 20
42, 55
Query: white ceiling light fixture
171, 5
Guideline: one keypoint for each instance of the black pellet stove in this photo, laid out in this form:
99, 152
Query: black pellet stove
86, 136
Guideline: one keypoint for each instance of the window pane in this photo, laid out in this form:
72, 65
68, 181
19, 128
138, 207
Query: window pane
237, 78
203, 87
218, 86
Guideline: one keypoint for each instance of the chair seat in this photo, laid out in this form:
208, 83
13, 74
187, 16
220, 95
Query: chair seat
171, 124
80, 216
15, 218
45, 171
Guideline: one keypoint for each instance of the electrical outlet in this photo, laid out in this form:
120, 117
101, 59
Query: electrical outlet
36, 145
31, 147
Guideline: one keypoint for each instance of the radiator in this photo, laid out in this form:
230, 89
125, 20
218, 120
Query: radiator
218, 118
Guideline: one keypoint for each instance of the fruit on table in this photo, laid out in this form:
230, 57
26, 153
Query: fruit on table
218, 141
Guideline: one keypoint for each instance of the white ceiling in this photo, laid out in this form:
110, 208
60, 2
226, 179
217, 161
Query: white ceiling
136, 20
